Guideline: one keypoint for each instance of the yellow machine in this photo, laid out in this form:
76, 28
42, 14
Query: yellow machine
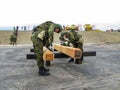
72, 27
88, 27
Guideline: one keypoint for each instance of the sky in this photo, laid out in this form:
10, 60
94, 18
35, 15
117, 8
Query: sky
29, 12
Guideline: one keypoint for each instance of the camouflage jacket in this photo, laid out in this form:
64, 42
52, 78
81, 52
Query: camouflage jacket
44, 32
13, 38
73, 36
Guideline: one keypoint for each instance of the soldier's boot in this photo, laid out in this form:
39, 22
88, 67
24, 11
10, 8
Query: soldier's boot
71, 60
78, 61
43, 72
81, 58
45, 69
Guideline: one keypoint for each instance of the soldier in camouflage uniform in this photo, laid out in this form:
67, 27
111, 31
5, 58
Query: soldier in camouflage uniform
13, 38
76, 40
43, 36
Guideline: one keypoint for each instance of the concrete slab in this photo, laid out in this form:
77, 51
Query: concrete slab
101, 72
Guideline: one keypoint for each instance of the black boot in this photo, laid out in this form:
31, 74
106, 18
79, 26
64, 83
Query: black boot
45, 69
78, 61
81, 58
43, 72
71, 60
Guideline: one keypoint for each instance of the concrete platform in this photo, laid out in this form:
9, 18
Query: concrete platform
101, 72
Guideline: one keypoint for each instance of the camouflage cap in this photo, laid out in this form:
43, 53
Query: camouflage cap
59, 27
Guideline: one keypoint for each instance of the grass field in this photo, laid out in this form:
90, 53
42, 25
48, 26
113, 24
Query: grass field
89, 37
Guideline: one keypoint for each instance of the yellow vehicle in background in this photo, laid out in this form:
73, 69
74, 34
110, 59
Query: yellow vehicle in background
88, 27
72, 27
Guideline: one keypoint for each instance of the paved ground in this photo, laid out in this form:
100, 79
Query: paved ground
101, 72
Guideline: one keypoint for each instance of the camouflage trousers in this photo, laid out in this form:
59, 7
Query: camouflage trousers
38, 49
13, 41
80, 46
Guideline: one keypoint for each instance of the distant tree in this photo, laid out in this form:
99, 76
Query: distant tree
24, 27
13, 28
28, 28
17, 27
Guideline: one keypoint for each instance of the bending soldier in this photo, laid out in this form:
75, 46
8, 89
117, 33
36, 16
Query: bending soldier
76, 40
43, 36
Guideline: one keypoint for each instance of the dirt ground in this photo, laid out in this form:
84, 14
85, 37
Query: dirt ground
100, 72
89, 37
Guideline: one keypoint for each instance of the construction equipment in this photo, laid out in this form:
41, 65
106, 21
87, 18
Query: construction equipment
71, 27
88, 27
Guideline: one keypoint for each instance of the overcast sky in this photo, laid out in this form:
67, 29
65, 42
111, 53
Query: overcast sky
24, 12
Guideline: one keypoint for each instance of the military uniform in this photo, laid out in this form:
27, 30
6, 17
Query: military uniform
76, 40
13, 39
43, 36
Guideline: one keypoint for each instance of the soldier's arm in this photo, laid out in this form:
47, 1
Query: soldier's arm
51, 33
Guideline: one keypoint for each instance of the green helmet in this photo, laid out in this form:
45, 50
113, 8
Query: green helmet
59, 27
